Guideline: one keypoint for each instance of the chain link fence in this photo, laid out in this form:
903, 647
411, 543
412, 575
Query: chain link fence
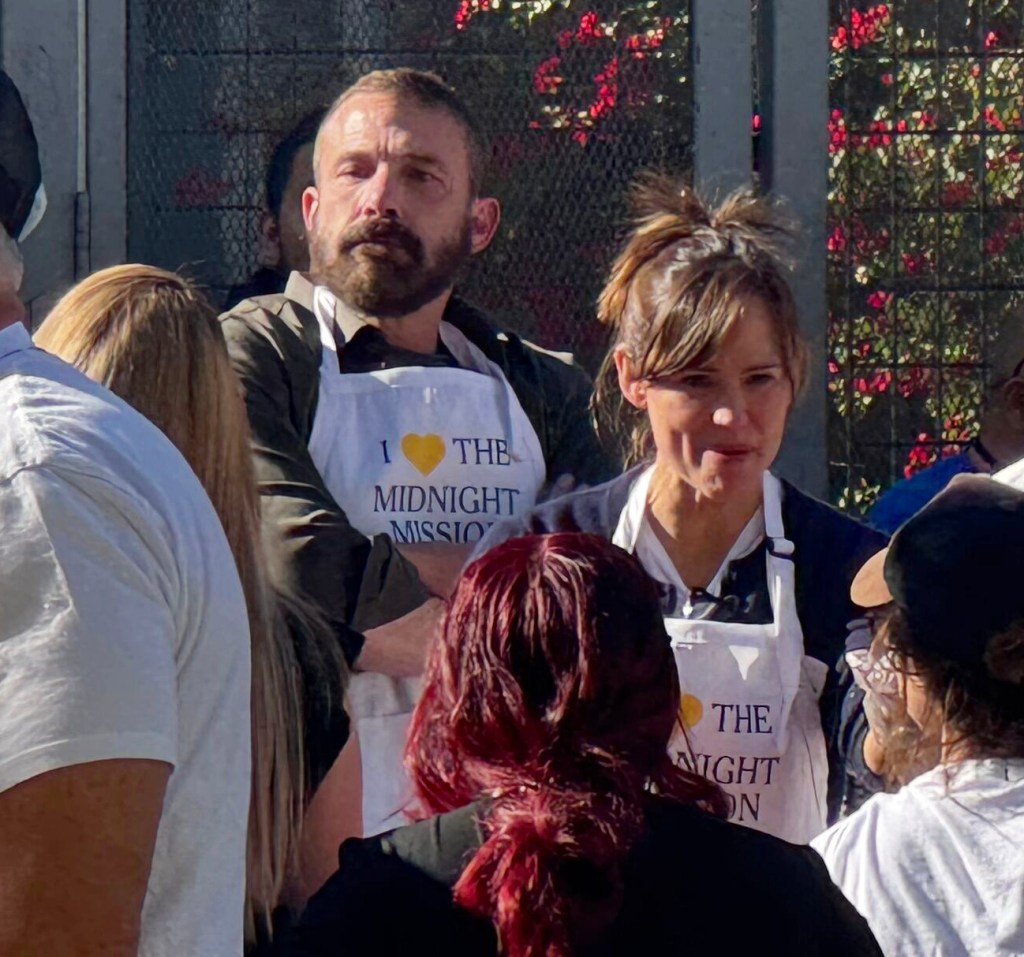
575, 99
926, 229
926, 213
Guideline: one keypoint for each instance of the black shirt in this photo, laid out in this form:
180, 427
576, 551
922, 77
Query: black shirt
369, 351
693, 885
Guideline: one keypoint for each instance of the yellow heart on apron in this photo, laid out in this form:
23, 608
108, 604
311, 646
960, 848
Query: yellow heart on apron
691, 710
424, 451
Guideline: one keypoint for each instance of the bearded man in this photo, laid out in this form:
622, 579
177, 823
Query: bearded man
393, 423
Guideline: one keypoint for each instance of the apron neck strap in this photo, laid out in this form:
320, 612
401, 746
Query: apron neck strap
779, 545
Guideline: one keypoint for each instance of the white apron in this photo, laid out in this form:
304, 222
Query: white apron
422, 454
750, 696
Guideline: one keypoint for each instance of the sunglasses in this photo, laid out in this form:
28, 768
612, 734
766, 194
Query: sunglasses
873, 672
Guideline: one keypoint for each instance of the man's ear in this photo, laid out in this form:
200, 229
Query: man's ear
270, 241
484, 218
310, 204
634, 389
1012, 401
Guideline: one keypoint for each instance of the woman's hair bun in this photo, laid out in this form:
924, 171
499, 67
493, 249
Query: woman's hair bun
656, 194
752, 225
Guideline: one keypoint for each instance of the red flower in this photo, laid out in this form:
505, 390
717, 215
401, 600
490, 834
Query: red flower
912, 263
755, 123
991, 39
879, 300
589, 31
877, 385
920, 456
466, 10
880, 382
837, 136
651, 40
881, 133
545, 80
992, 118
607, 89
865, 25
914, 380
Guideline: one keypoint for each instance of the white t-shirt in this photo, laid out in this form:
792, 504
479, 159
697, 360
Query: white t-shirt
1012, 475
937, 869
123, 632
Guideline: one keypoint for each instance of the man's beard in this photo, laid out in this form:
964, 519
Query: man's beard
394, 278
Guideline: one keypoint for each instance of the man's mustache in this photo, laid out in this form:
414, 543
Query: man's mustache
384, 231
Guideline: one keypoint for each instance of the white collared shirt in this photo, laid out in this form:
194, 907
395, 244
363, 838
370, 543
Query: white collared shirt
635, 534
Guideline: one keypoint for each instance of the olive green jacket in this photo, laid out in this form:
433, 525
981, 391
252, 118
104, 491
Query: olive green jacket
355, 581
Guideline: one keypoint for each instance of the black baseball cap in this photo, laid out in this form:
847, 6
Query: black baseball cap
22, 197
955, 569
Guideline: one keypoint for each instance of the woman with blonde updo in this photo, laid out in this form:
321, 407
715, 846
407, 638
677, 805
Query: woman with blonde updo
706, 364
153, 339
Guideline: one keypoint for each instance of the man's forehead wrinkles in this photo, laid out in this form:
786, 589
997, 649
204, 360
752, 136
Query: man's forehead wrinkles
390, 149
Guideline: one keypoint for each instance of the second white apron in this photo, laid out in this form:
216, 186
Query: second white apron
750, 699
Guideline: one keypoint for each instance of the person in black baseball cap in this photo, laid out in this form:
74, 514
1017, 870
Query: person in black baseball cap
954, 573
22, 196
939, 865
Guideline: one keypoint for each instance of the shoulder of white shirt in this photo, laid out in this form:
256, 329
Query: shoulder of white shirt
1012, 475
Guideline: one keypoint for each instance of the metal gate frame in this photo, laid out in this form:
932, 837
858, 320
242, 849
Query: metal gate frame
792, 103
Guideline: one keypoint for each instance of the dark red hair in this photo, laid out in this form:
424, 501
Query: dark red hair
552, 692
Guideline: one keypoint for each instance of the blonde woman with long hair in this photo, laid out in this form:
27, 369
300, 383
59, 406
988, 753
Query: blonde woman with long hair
153, 339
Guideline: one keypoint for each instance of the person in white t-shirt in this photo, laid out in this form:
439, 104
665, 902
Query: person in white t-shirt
124, 680
1012, 475
124, 672
153, 339
938, 867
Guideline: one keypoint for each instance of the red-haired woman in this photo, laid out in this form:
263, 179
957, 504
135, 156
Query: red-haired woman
564, 827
